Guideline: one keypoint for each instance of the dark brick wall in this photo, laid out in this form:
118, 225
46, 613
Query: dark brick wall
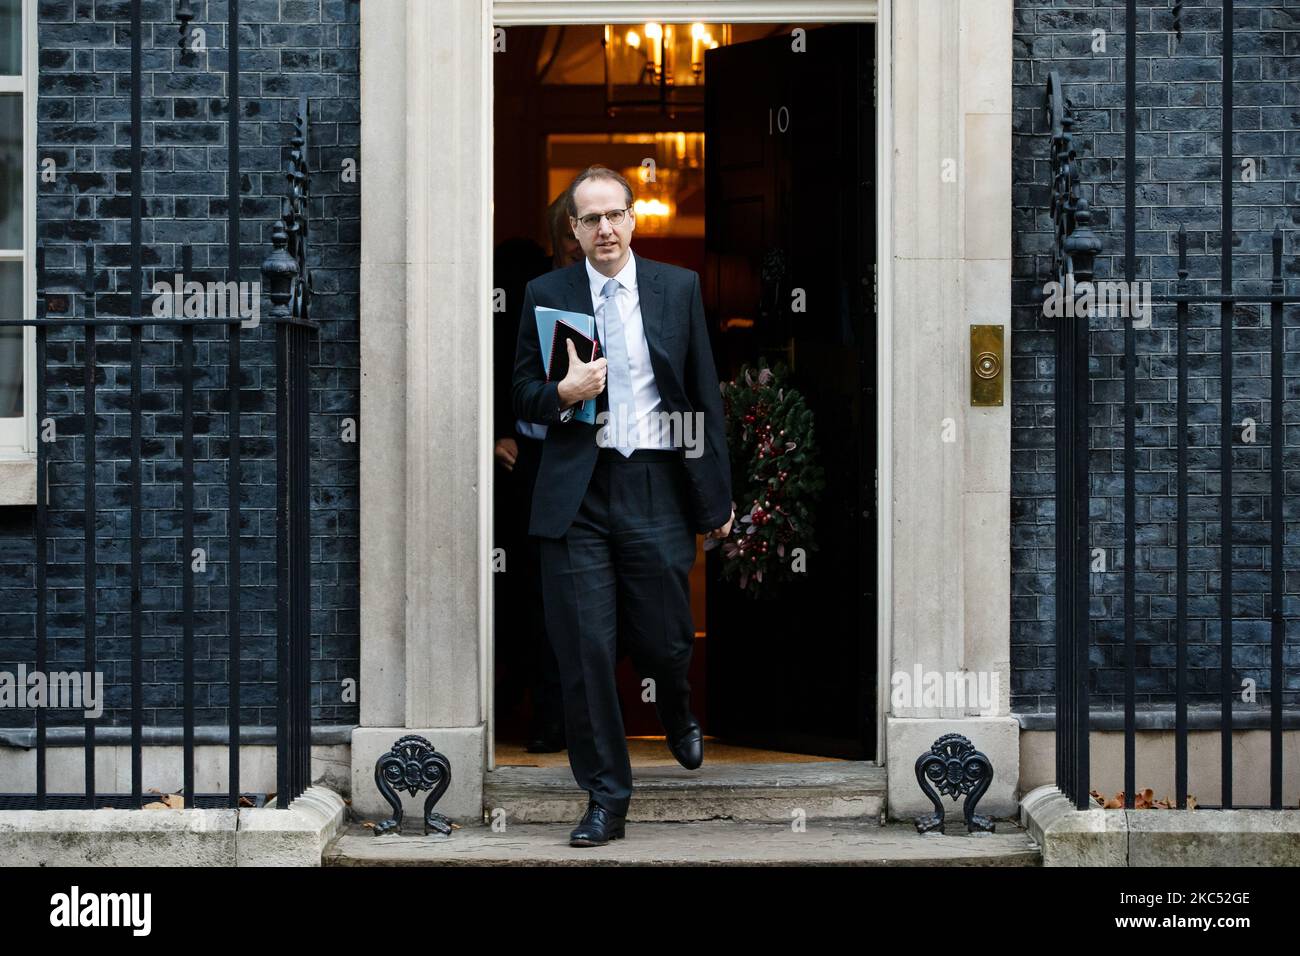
289, 47
1179, 145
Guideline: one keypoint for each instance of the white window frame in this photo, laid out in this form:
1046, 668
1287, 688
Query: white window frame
18, 435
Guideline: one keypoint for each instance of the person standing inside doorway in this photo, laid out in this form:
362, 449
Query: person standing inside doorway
521, 628
617, 504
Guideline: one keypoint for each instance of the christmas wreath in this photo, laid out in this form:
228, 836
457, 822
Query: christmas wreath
774, 469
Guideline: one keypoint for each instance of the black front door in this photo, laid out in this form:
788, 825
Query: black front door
790, 180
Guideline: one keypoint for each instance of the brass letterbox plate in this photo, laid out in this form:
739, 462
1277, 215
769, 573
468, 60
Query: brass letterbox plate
986, 364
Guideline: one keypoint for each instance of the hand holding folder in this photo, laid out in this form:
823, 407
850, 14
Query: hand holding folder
559, 327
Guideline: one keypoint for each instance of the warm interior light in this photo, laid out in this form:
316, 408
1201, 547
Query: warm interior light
633, 39
650, 207
698, 31
655, 32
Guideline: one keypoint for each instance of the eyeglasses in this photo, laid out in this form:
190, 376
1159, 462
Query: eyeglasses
590, 222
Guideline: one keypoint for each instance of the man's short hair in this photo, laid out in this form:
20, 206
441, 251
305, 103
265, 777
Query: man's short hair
594, 172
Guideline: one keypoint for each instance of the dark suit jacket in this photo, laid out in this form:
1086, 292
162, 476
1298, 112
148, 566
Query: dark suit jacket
672, 312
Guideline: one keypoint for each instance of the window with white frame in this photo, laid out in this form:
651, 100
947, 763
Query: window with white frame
17, 221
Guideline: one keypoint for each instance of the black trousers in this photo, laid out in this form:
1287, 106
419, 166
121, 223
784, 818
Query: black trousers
621, 575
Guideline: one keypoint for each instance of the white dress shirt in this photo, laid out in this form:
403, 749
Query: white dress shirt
645, 394
530, 429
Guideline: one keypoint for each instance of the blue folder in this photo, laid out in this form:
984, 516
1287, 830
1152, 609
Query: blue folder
586, 324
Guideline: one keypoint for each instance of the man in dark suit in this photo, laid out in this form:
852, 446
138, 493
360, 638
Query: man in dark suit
617, 504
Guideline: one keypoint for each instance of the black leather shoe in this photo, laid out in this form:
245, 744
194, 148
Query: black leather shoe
547, 743
597, 827
688, 747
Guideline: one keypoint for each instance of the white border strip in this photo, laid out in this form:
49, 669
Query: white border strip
884, 368
486, 440
547, 12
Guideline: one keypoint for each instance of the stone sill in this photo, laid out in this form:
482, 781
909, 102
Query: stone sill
259, 836
17, 481
710, 843
1071, 837
1198, 718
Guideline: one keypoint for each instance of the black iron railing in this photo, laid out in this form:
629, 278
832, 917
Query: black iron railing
287, 285
1076, 248
289, 282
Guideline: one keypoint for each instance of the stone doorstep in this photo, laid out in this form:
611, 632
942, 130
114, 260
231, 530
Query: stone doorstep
1071, 837
711, 843
770, 793
250, 836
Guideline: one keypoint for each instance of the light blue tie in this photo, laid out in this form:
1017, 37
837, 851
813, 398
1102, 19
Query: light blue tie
618, 376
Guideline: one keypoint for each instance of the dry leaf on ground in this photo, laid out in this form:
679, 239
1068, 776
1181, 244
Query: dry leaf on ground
1143, 800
